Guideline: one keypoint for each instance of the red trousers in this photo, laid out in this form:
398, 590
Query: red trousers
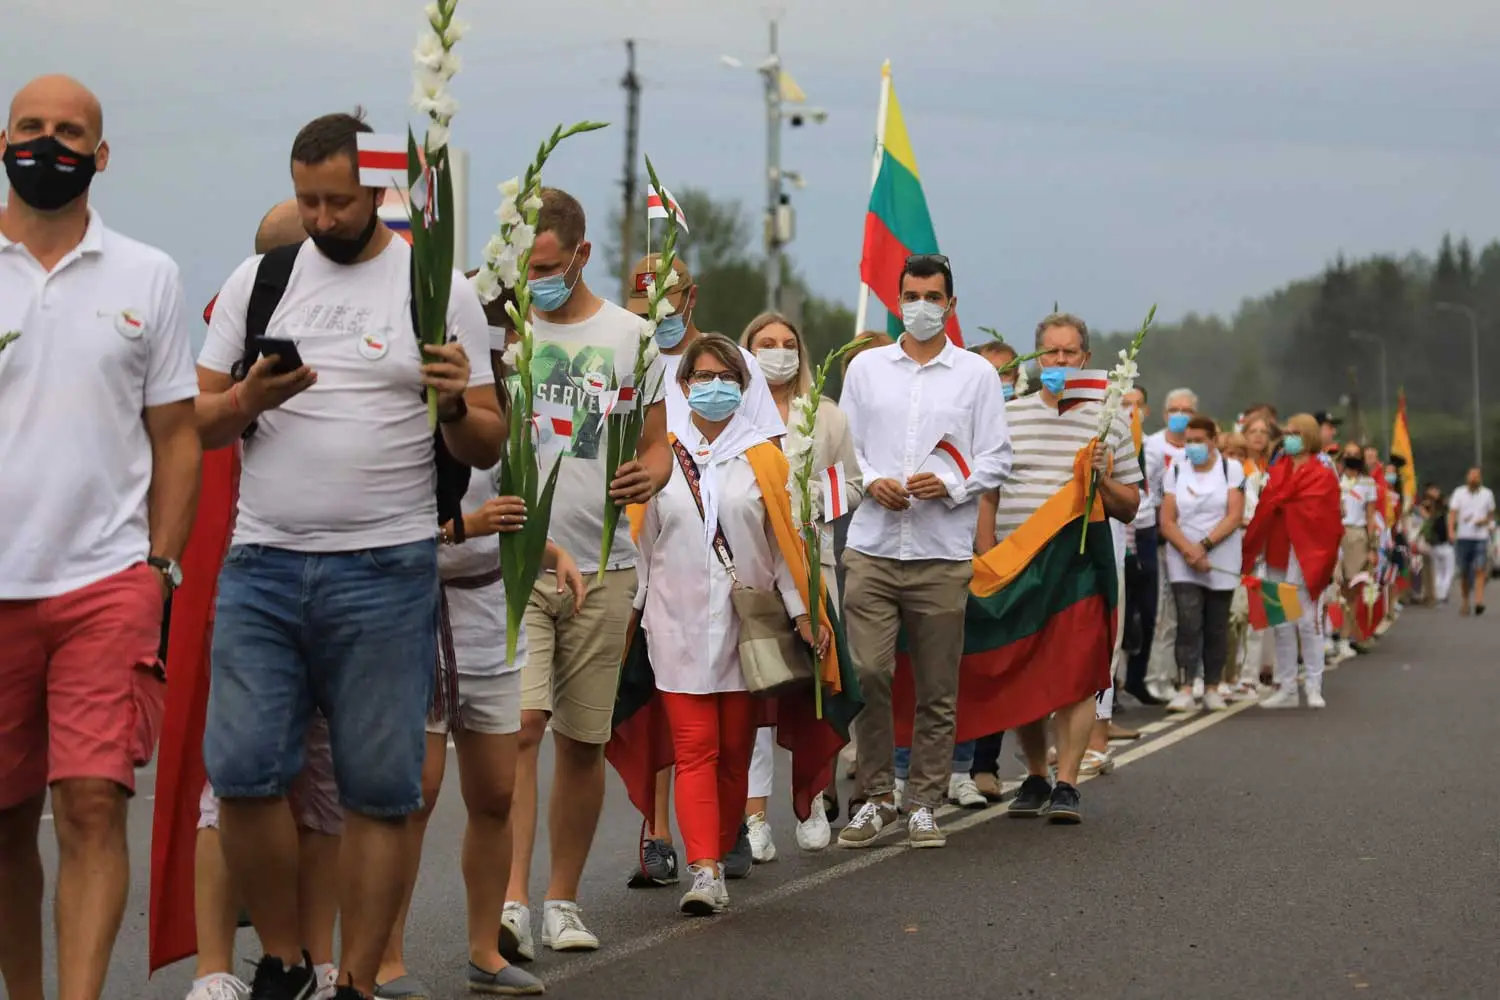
713, 736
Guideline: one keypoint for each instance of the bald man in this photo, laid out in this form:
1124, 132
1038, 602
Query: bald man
100, 529
282, 226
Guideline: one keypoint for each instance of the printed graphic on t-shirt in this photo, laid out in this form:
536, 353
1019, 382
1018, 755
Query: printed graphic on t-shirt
568, 396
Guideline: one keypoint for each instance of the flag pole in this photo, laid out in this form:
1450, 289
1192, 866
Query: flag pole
880, 116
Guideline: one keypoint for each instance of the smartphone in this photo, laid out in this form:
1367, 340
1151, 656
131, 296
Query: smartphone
285, 352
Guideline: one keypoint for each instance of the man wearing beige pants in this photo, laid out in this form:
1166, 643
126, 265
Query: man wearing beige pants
928, 420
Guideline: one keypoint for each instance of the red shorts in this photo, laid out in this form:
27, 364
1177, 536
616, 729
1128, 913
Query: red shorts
81, 685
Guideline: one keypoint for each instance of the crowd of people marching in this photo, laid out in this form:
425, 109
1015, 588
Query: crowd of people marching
1013, 553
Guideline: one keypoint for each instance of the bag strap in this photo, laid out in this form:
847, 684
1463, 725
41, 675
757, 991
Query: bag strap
690, 473
272, 275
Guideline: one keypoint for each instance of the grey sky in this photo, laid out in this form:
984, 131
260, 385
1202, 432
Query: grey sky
1105, 154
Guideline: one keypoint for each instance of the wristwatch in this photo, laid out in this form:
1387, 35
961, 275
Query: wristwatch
170, 571
1207, 543
458, 412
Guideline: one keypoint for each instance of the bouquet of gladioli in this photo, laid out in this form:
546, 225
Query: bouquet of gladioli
1121, 380
798, 447
430, 194
625, 406
507, 258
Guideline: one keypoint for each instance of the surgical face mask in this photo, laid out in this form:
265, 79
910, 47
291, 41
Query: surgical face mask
923, 320
1054, 379
778, 364
1391, 477
669, 332
716, 400
1008, 391
551, 293
47, 175
1292, 445
1177, 422
1197, 453
346, 249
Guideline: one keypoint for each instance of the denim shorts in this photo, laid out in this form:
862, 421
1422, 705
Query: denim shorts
353, 634
1471, 557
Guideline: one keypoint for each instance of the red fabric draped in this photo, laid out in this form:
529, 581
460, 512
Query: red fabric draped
1299, 511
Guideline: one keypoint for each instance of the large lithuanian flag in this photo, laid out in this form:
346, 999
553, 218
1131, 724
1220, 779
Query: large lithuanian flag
1039, 631
897, 224
1401, 445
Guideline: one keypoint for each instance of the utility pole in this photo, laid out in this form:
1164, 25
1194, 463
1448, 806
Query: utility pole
771, 72
631, 84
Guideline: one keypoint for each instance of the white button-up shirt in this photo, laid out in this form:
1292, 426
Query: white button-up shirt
102, 338
899, 412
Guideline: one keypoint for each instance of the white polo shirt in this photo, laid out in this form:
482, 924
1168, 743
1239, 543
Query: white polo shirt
102, 338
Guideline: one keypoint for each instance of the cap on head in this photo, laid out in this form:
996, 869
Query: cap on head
1324, 417
643, 275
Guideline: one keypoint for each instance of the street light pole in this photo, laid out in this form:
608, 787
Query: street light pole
1473, 318
1385, 404
771, 72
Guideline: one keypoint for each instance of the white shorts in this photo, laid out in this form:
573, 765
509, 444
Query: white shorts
487, 704
314, 794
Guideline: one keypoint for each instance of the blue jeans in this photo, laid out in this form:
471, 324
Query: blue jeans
353, 634
963, 759
1471, 557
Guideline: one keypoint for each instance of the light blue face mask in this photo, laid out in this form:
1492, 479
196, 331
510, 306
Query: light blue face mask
1197, 453
1055, 379
1177, 422
716, 400
551, 293
1391, 476
670, 331
1292, 445
1008, 391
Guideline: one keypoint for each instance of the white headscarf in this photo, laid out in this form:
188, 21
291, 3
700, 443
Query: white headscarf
737, 437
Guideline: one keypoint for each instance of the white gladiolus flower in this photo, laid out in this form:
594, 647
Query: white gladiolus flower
511, 189
522, 236
672, 279
486, 285
652, 352
434, 15
456, 30
515, 318
1022, 380
532, 205
648, 329
494, 247
441, 105
429, 52
508, 267
507, 213
437, 136
663, 308
512, 355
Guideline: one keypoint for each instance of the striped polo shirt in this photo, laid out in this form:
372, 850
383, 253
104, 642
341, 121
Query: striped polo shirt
1045, 443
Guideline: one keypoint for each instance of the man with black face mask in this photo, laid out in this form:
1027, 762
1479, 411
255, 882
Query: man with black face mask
100, 456
328, 596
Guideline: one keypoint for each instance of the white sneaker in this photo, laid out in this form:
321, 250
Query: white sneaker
563, 928
703, 898
1347, 650
1182, 701
515, 923
219, 986
1198, 688
1283, 698
1244, 691
1213, 701
899, 794
1315, 698
963, 792
814, 833
762, 847
328, 981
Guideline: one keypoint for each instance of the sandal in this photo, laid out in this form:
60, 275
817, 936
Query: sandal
1095, 762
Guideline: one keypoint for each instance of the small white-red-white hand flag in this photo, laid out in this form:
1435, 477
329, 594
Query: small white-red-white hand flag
831, 484
655, 209
382, 160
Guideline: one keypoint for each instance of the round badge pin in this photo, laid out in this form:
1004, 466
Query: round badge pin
374, 346
129, 324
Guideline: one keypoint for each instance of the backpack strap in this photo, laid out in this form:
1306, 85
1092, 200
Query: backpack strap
272, 276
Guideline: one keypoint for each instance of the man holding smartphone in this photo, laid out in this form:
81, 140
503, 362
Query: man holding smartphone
328, 596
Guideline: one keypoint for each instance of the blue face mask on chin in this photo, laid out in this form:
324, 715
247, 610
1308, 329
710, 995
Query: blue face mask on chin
1197, 453
715, 401
1055, 379
1177, 422
670, 331
1008, 391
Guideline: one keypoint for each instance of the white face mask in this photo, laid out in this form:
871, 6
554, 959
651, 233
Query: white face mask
778, 364
923, 320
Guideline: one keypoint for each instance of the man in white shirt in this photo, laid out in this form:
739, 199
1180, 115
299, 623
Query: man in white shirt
930, 436
1164, 449
101, 463
572, 667
1471, 519
328, 596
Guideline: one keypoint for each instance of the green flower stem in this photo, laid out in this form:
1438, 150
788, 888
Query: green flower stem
1093, 490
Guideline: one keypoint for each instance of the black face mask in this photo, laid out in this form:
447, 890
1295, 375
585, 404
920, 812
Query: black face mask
47, 175
1354, 464
342, 249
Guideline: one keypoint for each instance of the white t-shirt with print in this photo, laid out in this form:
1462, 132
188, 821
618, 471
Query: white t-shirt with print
348, 463
570, 368
1202, 501
1357, 493
477, 616
1470, 511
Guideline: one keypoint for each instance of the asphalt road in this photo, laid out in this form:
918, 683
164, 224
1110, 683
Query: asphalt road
1354, 851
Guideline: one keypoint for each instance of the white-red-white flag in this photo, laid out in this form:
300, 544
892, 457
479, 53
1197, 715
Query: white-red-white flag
1083, 386
552, 420
952, 455
382, 160
655, 209
831, 484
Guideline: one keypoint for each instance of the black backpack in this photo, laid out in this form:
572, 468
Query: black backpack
271, 279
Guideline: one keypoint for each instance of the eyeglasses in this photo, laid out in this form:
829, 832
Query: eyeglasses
705, 377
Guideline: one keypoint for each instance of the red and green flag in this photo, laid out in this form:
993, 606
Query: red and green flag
898, 224
1039, 629
1271, 603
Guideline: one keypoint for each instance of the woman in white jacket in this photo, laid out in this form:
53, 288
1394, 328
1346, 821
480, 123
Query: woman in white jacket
782, 356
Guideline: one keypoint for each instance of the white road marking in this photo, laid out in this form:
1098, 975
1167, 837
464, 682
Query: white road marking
866, 857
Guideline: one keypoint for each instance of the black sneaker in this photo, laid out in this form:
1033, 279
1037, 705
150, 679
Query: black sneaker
740, 860
1063, 806
658, 865
274, 981
1030, 798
